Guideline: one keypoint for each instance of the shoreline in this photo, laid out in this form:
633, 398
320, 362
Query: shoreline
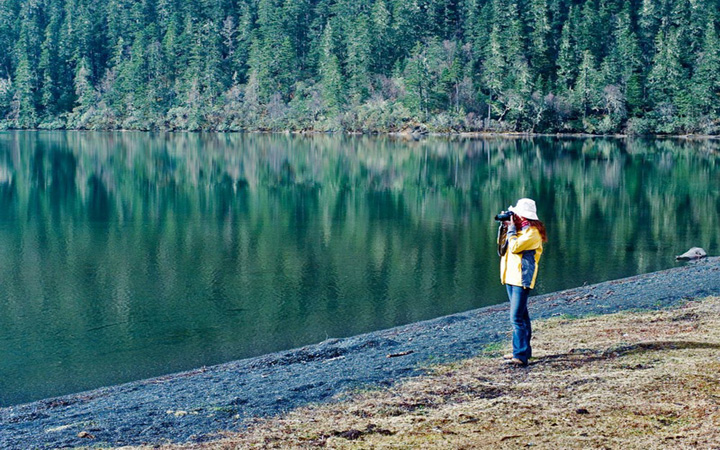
195, 406
407, 133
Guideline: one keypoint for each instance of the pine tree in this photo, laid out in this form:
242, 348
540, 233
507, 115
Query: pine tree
358, 59
170, 48
25, 80
494, 66
506, 18
567, 62
207, 63
588, 85
666, 75
539, 39
706, 77
451, 76
686, 32
625, 68
25, 110
50, 67
9, 19
272, 56
417, 81
228, 41
407, 26
134, 70
478, 26
589, 31
380, 35
331, 78
649, 21
243, 39
296, 17
159, 75
505, 70
84, 91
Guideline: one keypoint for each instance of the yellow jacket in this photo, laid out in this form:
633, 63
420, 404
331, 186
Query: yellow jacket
519, 265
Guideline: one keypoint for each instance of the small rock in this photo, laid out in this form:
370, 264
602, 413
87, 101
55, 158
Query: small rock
693, 253
582, 411
351, 434
85, 435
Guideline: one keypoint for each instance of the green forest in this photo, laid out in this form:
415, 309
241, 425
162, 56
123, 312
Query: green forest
550, 66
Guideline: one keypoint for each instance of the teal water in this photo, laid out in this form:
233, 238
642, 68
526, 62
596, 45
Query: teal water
130, 255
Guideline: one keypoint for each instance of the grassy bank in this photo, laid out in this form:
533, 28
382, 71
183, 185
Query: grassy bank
627, 380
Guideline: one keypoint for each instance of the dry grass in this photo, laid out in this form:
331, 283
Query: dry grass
629, 380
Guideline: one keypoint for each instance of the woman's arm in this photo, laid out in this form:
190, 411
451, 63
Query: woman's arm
529, 240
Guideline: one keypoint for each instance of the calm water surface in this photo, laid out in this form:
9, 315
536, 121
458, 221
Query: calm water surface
129, 255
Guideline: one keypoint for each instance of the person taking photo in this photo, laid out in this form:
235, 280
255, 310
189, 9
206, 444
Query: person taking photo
519, 264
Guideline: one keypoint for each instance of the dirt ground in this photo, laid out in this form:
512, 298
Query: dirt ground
639, 380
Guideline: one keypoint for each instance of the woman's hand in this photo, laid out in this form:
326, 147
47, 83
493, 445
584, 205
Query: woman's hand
511, 228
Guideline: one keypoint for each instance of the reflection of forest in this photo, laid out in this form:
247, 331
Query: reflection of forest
191, 249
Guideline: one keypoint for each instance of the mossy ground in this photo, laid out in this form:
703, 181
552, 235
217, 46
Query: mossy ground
628, 380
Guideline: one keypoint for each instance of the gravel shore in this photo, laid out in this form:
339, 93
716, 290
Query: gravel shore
195, 406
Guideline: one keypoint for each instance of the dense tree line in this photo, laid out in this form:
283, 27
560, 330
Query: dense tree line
599, 66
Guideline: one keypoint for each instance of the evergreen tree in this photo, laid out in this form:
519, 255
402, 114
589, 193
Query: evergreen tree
296, 15
650, 17
494, 66
666, 76
539, 39
417, 81
9, 20
206, 61
239, 62
706, 77
588, 85
381, 45
84, 91
589, 29
25, 81
478, 26
407, 27
272, 57
331, 78
506, 73
567, 62
451, 77
359, 59
169, 51
24, 109
625, 62
134, 71
50, 67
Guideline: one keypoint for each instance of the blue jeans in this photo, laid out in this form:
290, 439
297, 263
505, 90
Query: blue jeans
520, 320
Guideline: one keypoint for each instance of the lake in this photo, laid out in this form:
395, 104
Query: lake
130, 255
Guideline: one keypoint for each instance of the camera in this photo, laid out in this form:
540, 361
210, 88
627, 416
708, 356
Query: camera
504, 216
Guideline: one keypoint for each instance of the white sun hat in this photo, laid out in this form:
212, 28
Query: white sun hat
526, 208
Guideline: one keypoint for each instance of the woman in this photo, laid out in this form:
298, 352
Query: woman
518, 272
